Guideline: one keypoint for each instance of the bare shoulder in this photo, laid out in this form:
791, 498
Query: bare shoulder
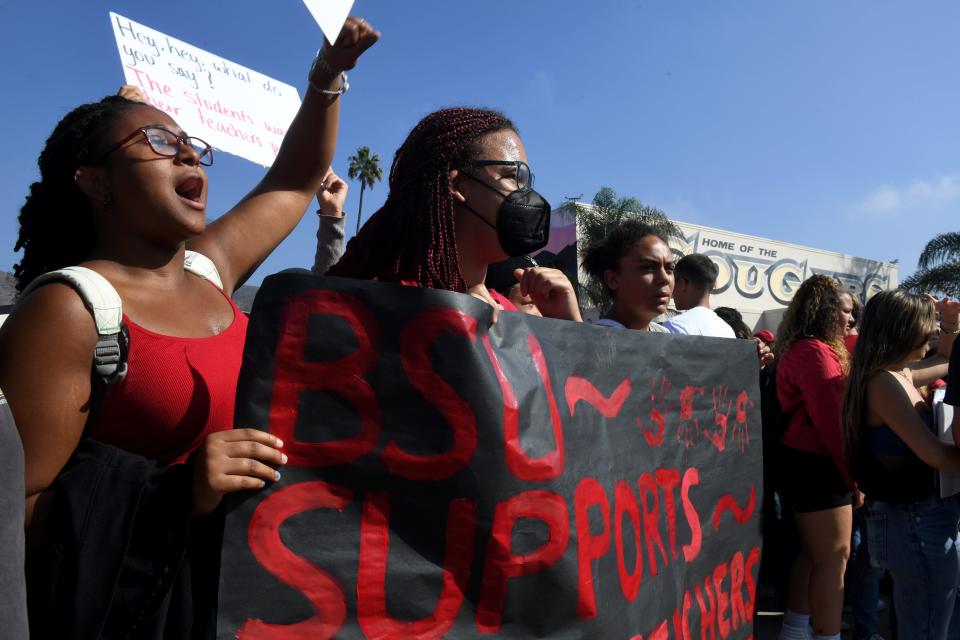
52, 320
884, 383
886, 390
46, 354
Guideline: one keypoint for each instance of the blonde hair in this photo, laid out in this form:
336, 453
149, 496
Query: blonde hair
894, 325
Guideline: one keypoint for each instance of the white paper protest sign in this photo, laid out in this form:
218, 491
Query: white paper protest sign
231, 107
330, 15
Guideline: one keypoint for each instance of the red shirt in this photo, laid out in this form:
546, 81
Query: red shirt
810, 385
176, 392
502, 301
850, 342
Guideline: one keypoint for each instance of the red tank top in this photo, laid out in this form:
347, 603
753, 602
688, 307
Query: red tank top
177, 391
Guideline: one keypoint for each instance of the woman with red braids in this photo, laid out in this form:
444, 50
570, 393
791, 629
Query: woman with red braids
461, 198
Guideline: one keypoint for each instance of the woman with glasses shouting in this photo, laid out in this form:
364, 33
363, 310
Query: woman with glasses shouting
123, 192
461, 198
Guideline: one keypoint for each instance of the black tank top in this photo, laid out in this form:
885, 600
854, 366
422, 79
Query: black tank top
889, 471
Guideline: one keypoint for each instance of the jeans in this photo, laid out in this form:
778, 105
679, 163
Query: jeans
917, 544
862, 581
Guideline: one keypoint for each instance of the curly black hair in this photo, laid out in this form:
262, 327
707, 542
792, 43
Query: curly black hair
56, 221
604, 254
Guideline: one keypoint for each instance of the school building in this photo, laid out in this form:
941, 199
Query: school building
759, 276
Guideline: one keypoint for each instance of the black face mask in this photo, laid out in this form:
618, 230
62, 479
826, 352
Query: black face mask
523, 220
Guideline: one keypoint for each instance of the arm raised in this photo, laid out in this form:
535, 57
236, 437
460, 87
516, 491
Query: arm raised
241, 239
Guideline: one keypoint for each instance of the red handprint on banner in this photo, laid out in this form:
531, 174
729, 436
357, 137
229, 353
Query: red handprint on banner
740, 429
721, 410
658, 414
689, 424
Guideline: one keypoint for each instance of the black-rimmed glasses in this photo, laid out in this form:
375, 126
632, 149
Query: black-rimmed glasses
522, 175
165, 143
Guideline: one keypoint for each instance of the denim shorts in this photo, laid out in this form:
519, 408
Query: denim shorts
917, 544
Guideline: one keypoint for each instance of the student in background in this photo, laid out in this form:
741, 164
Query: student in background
811, 371
331, 196
694, 278
735, 319
636, 266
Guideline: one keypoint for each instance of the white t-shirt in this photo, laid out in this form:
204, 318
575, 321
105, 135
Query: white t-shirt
613, 324
699, 321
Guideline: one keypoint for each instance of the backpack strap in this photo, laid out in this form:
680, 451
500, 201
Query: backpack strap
103, 301
201, 265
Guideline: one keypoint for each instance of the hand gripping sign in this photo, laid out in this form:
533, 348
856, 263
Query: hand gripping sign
235, 109
449, 479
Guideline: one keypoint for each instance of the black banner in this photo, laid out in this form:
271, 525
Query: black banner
448, 478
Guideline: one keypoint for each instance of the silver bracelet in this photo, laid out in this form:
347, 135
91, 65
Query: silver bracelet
320, 63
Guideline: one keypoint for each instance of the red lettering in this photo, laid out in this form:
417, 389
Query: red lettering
681, 618
651, 516
753, 558
723, 600
625, 502
669, 479
418, 336
521, 465
502, 564
317, 586
293, 375
577, 389
372, 612
740, 514
590, 547
662, 632
708, 611
691, 477
151, 84
737, 611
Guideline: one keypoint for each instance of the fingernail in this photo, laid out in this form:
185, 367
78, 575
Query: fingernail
279, 443
276, 475
283, 458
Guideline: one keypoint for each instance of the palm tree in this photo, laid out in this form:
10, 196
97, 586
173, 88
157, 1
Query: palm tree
366, 167
608, 210
938, 270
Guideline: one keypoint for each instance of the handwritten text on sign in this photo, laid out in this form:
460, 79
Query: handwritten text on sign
230, 106
449, 479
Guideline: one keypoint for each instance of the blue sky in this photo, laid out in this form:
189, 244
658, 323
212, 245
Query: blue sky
827, 124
